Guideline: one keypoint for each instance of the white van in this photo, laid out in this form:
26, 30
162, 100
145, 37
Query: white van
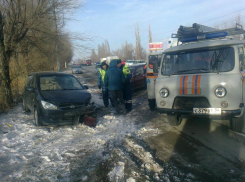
152, 58
109, 58
203, 77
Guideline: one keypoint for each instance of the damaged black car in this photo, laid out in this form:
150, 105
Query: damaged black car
55, 98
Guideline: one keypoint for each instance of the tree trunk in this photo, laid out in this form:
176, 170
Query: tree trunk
6, 98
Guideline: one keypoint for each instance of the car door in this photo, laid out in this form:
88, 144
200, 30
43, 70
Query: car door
139, 77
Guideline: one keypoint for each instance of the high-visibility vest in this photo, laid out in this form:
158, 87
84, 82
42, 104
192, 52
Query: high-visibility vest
102, 73
126, 71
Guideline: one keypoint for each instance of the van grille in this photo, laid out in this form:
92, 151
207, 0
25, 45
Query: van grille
190, 102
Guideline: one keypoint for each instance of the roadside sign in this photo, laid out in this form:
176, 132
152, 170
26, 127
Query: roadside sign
155, 46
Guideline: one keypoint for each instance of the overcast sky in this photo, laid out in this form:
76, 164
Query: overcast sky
115, 20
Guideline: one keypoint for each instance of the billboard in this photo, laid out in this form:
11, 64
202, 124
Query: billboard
155, 46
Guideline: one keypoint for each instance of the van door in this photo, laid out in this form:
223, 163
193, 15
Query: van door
151, 75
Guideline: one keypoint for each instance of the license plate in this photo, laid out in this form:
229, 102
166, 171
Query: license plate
214, 111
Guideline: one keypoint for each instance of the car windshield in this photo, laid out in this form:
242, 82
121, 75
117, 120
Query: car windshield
98, 66
130, 61
60, 82
202, 61
76, 66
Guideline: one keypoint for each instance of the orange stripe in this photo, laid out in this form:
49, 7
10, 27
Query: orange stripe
151, 76
186, 79
198, 84
193, 84
181, 85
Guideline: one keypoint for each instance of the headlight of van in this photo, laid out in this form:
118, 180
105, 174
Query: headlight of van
220, 92
49, 106
164, 92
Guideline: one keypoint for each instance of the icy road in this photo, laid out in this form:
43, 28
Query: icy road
137, 147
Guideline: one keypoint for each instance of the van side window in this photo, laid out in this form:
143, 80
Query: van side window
241, 58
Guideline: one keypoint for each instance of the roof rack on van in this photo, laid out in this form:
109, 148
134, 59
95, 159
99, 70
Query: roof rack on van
201, 32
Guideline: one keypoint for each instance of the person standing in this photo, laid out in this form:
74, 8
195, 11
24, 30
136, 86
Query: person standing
101, 84
127, 90
114, 80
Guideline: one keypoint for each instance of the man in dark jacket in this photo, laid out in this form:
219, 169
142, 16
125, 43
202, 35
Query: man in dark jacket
114, 80
101, 84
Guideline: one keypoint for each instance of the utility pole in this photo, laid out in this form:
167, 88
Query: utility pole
150, 36
56, 42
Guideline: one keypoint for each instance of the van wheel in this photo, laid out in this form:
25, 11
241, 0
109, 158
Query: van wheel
174, 120
25, 108
36, 118
237, 124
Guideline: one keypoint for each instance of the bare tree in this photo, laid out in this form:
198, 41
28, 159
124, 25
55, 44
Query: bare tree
25, 24
137, 43
126, 52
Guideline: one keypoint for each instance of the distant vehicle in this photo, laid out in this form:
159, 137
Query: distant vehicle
130, 62
76, 68
55, 98
138, 79
88, 62
109, 58
102, 59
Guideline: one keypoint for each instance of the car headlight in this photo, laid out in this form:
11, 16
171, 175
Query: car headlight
49, 106
220, 92
164, 92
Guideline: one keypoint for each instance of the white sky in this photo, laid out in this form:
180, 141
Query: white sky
115, 20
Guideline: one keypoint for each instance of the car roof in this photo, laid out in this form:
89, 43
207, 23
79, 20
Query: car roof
139, 64
50, 73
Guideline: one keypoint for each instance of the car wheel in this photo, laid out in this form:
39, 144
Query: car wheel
237, 124
174, 120
36, 118
25, 108
77, 120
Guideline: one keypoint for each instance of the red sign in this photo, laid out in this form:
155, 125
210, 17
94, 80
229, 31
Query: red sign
155, 46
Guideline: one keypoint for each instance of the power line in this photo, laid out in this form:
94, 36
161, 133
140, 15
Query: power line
206, 21
223, 15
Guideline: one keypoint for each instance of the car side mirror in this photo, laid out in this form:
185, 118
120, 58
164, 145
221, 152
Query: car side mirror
30, 89
86, 86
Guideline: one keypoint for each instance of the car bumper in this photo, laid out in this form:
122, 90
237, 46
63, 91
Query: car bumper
224, 113
60, 117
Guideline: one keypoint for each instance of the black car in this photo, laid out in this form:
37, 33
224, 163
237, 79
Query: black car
55, 98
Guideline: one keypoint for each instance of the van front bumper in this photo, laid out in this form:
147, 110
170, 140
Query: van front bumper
224, 113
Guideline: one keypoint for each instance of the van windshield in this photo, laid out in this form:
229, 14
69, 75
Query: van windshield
188, 62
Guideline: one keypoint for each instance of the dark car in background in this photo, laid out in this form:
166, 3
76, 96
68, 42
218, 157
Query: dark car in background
138, 79
76, 68
55, 98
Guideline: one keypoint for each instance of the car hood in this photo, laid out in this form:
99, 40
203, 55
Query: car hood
76, 68
66, 96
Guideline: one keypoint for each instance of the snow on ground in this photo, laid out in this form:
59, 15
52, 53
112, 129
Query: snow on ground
30, 153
